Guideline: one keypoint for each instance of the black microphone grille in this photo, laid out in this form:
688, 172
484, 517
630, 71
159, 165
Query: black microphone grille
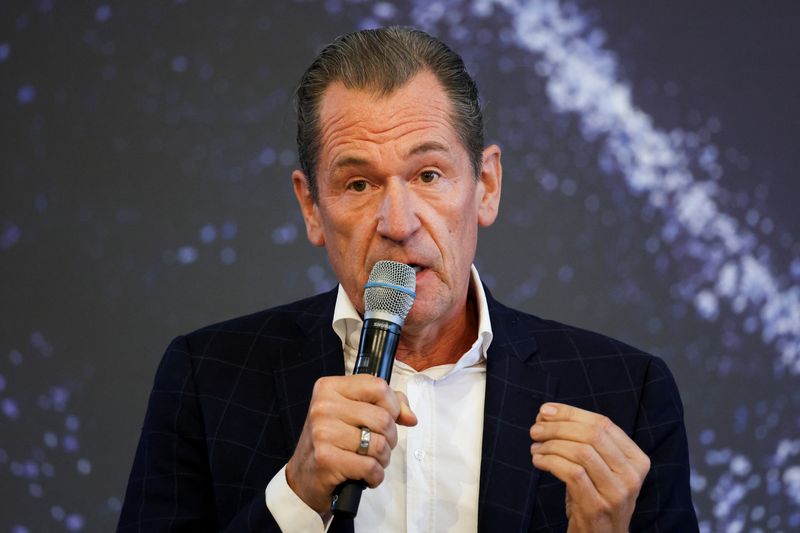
389, 292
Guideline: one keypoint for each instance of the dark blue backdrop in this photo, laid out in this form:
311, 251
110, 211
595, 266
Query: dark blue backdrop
650, 157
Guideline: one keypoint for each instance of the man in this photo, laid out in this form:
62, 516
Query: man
496, 420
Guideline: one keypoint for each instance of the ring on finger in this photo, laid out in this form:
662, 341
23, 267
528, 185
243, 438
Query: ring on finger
363, 445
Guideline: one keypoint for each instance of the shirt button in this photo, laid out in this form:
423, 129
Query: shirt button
419, 454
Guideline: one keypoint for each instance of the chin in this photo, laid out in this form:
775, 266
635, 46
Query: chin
416, 317
422, 315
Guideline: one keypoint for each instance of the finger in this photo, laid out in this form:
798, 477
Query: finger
367, 389
578, 432
359, 387
348, 439
603, 478
333, 399
611, 492
360, 414
407, 416
374, 390
600, 429
553, 411
378, 447
341, 465
579, 484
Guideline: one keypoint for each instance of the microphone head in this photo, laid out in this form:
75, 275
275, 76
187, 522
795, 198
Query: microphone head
389, 292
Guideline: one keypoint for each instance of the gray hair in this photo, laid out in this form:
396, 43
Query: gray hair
383, 60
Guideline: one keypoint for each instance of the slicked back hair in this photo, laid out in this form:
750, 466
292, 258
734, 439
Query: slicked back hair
383, 60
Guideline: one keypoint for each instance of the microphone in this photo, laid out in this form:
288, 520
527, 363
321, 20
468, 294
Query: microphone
388, 297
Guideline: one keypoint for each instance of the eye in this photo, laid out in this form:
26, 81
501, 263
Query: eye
357, 185
428, 176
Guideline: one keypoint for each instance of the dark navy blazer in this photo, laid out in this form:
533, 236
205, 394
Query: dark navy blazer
229, 402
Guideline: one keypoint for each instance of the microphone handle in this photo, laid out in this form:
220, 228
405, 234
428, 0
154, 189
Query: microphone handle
375, 356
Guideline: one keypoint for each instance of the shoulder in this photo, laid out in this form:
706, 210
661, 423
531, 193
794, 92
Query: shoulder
598, 373
556, 339
269, 328
587, 360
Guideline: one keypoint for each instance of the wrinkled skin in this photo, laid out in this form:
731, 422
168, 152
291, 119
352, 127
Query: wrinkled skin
601, 466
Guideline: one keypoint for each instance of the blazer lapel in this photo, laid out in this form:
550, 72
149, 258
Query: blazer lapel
313, 351
516, 386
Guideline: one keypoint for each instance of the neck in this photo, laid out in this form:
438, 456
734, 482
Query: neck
440, 344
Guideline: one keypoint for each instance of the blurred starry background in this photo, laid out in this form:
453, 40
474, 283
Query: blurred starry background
650, 193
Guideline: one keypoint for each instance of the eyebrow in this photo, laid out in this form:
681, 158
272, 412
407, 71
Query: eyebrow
350, 161
429, 146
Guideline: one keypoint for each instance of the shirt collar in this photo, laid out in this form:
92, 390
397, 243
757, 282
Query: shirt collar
347, 322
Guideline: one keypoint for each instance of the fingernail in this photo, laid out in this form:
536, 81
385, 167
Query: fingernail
535, 446
548, 410
536, 429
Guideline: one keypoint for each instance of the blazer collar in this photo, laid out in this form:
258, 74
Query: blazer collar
313, 351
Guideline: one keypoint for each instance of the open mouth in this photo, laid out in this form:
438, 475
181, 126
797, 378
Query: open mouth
417, 268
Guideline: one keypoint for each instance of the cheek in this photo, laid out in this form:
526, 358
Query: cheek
336, 225
463, 244
463, 227
348, 245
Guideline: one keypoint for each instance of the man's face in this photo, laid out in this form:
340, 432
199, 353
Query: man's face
395, 182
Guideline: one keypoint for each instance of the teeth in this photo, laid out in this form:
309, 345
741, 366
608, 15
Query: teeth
417, 269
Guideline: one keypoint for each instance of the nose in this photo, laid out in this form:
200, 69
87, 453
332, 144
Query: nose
397, 217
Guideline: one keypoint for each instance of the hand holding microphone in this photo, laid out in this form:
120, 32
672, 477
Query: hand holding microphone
336, 454
388, 297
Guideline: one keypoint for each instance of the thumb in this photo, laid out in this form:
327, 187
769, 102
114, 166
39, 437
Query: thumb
406, 416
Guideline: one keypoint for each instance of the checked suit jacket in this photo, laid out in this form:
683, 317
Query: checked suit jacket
229, 402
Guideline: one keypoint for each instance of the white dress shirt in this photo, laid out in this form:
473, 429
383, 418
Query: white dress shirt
432, 481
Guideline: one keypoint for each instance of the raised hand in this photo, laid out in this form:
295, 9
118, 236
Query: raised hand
326, 453
601, 466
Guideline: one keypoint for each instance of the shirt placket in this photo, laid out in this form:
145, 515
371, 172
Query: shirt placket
421, 481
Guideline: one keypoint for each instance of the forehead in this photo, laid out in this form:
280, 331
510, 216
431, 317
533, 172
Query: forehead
418, 109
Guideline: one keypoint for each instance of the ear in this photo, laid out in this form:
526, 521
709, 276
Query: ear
490, 181
309, 208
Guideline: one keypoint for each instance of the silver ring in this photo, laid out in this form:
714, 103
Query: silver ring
363, 446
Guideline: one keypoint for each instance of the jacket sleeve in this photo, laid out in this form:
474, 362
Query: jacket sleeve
665, 502
170, 486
